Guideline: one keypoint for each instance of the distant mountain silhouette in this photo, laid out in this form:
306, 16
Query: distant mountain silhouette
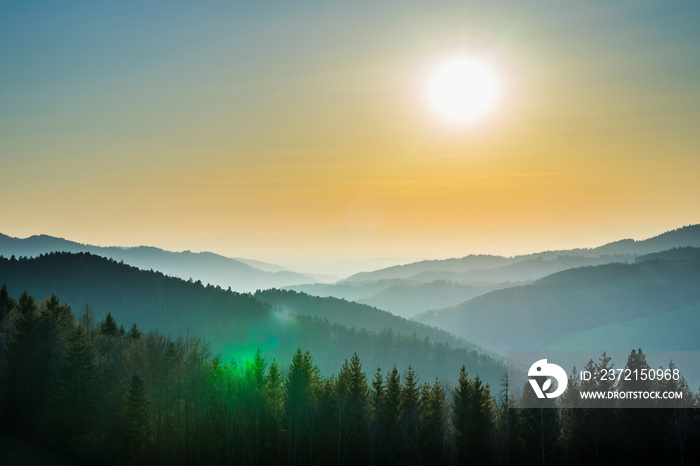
576, 300
686, 254
409, 300
472, 262
405, 298
613, 252
205, 266
410, 289
236, 324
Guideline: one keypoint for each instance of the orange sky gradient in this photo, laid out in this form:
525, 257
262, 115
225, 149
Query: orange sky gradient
305, 134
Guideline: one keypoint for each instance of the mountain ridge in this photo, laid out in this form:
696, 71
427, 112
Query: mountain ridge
683, 236
529, 317
206, 266
411, 289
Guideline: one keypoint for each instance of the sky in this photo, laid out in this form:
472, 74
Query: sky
301, 132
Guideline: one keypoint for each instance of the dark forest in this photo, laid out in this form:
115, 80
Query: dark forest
101, 393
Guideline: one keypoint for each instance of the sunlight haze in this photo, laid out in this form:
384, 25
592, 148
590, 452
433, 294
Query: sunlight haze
287, 130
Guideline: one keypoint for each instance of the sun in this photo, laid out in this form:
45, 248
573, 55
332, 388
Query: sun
463, 89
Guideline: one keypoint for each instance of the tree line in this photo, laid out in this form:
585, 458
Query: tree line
107, 394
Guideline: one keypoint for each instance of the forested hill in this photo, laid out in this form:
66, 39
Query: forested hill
652, 303
101, 396
352, 314
236, 324
205, 266
150, 298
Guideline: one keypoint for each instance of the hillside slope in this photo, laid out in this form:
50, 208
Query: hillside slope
354, 315
235, 324
539, 314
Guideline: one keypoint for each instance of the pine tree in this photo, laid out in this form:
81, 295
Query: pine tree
342, 403
681, 424
409, 423
255, 397
134, 333
56, 322
505, 421
24, 336
6, 303
539, 428
375, 419
433, 414
391, 414
472, 417
109, 326
87, 320
23, 392
137, 425
588, 431
639, 427
350, 396
302, 379
75, 388
255, 370
359, 397
274, 390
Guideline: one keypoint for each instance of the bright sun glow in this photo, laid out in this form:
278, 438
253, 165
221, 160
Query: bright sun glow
463, 90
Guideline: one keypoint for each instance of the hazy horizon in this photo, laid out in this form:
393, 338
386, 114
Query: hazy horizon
371, 250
